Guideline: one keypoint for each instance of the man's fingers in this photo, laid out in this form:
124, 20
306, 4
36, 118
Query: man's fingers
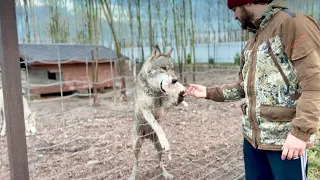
284, 153
192, 91
290, 154
188, 91
193, 85
301, 153
296, 154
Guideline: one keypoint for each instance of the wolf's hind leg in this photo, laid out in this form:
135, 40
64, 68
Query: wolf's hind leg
137, 146
3, 128
157, 145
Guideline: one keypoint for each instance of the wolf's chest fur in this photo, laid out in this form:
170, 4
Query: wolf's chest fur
157, 109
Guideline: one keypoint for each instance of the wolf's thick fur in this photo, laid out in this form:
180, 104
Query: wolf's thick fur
29, 117
156, 90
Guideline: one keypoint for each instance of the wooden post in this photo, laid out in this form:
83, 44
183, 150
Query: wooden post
94, 78
12, 92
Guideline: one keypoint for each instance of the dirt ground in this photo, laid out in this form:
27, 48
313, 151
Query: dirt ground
95, 143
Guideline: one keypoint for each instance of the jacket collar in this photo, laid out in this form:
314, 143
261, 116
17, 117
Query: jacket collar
271, 10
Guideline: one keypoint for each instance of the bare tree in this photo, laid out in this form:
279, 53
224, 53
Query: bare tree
94, 9
163, 26
183, 39
176, 37
31, 5
109, 16
89, 18
150, 26
25, 5
78, 8
140, 43
58, 27
101, 27
192, 44
132, 39
208, 18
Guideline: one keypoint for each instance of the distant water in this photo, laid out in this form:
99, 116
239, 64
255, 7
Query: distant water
221, 52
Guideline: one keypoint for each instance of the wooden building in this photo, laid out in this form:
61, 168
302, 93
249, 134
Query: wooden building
48, 66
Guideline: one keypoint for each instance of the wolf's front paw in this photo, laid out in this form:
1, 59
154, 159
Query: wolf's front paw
164, 142
132, 178
167, 176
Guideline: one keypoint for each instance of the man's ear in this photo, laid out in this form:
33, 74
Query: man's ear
248, 5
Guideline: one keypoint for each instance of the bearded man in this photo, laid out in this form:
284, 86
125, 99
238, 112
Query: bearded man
279, 78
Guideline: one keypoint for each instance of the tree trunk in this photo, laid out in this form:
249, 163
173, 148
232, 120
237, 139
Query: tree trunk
184, 42
31, 5
166, 17
25, 2
132, 40
140, 43
192, 44
89, 20
101, 27
150, 26
108, 14
96, 39
176, 37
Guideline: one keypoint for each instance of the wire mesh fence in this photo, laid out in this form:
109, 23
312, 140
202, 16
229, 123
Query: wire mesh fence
76, 139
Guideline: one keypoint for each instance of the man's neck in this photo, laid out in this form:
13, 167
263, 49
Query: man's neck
258, 11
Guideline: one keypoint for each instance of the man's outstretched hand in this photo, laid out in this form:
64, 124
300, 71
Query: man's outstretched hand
196, 90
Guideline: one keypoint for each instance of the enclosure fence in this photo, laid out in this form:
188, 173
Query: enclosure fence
77, 139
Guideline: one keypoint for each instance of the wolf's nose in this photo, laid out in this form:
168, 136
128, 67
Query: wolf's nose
174, 81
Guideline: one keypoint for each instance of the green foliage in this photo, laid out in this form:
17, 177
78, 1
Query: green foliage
137, 61
314, 160
237, 59
188, 59
211, 61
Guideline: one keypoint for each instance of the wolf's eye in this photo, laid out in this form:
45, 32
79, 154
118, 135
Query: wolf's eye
164, 68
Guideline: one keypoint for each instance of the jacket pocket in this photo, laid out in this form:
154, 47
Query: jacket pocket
277, 64
277, 113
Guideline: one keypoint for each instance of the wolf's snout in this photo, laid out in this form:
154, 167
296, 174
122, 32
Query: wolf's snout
174, 81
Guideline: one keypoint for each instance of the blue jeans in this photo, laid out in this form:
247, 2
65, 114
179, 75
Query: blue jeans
267, 165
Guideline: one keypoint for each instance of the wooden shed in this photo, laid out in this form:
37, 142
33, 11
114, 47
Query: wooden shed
48, 66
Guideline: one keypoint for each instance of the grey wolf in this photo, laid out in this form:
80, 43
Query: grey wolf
29, 117
279, 79
156, 90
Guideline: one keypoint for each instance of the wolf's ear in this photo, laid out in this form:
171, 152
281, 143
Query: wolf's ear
169, 52
156, 51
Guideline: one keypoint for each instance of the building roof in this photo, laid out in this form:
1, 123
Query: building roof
66, 53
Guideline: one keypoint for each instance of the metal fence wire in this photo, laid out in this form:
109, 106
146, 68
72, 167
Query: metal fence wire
76, 139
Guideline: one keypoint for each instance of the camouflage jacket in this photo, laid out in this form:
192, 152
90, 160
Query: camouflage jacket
279, 79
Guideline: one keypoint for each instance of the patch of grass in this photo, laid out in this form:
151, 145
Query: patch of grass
314, 161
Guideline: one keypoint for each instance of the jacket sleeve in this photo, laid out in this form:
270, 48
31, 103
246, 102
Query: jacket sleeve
303, 48
228, 92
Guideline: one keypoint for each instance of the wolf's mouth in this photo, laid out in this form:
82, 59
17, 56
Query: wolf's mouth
161, 87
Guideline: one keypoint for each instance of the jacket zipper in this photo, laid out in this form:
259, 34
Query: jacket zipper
251, 92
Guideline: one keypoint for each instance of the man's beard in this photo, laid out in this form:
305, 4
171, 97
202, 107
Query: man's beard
246, 20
